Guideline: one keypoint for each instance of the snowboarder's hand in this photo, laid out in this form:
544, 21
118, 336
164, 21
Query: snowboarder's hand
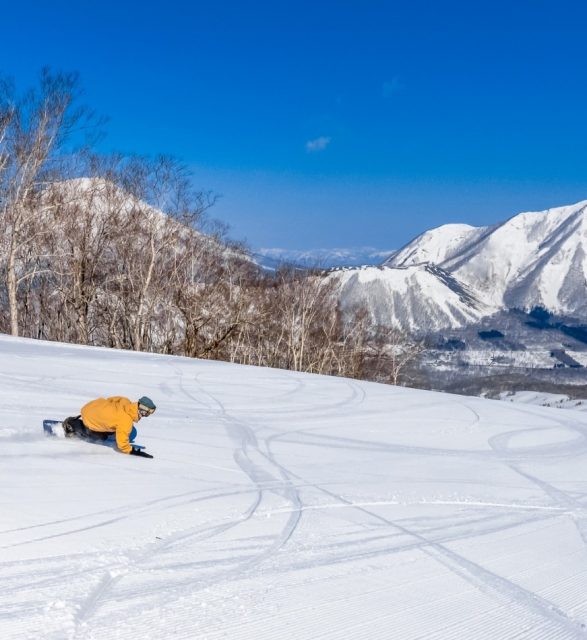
138, 452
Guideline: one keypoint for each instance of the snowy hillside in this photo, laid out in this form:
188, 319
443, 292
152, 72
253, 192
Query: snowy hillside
411, 297
282, 505
535, 259
558, 401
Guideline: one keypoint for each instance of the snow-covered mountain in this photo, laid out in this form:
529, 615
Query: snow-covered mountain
533, 259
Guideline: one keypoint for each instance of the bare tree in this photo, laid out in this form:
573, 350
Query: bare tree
295, 320
160, 226
35, 127
211, 297
391, 353
87, 215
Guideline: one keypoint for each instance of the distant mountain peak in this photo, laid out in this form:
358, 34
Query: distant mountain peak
325, 258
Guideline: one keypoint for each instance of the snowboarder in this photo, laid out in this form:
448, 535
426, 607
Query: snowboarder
102, 417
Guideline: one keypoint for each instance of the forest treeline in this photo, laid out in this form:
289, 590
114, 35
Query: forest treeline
119, 251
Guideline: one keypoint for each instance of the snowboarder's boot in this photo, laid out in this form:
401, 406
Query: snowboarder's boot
68, 427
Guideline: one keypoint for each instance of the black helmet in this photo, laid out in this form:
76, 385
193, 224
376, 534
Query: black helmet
146, 406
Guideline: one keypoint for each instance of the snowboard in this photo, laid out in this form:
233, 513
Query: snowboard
54, 429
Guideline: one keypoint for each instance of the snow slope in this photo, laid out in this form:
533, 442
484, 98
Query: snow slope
284, 505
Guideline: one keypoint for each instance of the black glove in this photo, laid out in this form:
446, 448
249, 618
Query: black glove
140, 452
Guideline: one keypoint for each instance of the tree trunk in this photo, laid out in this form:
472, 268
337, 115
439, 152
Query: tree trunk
12, 286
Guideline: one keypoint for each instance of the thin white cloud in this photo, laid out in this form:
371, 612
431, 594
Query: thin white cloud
319, 144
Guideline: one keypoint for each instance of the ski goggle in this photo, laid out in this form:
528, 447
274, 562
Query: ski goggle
145, 411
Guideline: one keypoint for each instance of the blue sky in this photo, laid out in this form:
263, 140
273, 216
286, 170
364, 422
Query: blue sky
333, 123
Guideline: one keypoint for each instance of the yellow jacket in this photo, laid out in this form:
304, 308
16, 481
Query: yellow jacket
112, 415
